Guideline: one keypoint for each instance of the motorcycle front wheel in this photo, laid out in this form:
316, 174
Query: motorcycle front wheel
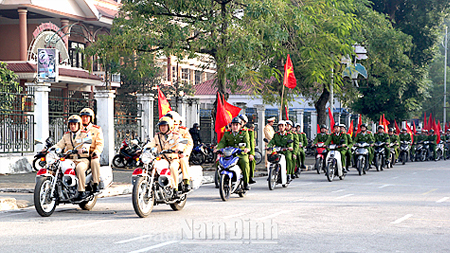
359, 166
258, 157
377, 162
197, 158
438, 155
273, 177
319, 164
88, 205
330, 172
404, 158
217, 178
225, 187
142, 197
44, 203
118, 161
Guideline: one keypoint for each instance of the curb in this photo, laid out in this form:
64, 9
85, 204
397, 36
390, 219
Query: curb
8, 204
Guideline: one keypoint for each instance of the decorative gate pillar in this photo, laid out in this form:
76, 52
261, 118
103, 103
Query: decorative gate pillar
146, 100
348, 119
300, 113
313, 125
181, 109
193, 113
41, 128
105, 119
337, 118
261, 111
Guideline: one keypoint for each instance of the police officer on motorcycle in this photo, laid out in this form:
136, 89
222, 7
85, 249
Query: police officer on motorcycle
381, 136
348, 153
184, 157
323, 135
232, 138
95, 132
367, 137
394, 139
72, 138
281, 139
341, 140
432, 138
251, 156
296, 139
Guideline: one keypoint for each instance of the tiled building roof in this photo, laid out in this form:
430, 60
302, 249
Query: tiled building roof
209, 88
27, 67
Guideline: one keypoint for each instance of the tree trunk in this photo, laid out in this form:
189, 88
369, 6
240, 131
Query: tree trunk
321, 106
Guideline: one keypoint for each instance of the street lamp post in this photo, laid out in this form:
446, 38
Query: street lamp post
445, 77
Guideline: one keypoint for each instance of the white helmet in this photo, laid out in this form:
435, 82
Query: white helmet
281, 122
175, 116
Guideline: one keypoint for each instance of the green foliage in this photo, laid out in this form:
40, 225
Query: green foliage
8, 87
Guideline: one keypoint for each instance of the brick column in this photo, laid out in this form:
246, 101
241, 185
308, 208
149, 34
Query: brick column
23, 34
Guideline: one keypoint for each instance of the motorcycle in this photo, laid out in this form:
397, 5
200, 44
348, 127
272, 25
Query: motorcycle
258, 156
321, 153
379, 155
128, 154
57, 183
152, 183
198, 155
361, 154
39, 159
276, 167
310, 149
230, 173
334, 164
405, 146
440, 149
391, 159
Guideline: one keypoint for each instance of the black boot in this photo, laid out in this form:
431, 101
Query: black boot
95, 188
251, 181
186, 186
289, 178
246, 187
81, 195
303, 166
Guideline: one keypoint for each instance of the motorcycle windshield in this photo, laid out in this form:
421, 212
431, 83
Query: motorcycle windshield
227, 162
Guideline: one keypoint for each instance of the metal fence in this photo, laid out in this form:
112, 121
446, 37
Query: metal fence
17, 122
127, 121
61, 107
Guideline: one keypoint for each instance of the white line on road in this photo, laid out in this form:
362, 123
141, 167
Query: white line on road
133, 239
394, 177
348, 195
273, 215
402, 219
414, 173
154, 247
298, 200
233, 216
429, 169
341, 190
442, 200
89, 224
385, 185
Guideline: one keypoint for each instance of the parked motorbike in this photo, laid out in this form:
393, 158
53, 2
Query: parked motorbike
405, 146
57, 183
310, 149
379, 156
230, 173
321, 153
334, 164
39, 159
152, 183
128, 154
198, 155
361, 155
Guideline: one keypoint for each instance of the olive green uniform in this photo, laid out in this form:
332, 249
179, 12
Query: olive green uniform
383, 137
395, 139
301, 151
281, 140
417, 138
231, 139
321, 137
366, 137
338, 139
296, 158
251, 135
433, 144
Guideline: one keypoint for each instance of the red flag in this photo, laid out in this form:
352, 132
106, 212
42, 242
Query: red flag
385, 124
397, 128
425, 127
359, 124
430, 123
415, 128
350, 129
222, 118
437, 130
163, 104
380, 122
330, 114
287, 112
408, 129
289, 77
318, 128
231, 109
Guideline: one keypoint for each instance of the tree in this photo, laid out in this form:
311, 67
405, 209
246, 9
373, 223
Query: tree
8, 86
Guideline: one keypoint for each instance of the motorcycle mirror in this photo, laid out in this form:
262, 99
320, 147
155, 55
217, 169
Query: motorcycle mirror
49, 141
242, 145
266, 140
37, 142
183, 141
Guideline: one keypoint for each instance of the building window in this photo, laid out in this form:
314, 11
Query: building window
174, 74
198, 77
185, 74
76, 56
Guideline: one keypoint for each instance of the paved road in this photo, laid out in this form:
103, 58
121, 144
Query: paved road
405, 209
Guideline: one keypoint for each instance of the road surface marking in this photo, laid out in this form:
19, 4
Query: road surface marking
348, 195
133, 239
298, 200
385, 185
442, 200
211, 242
89, 224
394, 177
233, 215
273, 215
429, 169
154, 247
430, 191
341, 190
322, 187
402, 219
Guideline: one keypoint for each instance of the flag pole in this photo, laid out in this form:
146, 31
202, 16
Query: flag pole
281, 107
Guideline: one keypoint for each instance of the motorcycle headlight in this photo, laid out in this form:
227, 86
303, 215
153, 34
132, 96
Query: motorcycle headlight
146, 157
227, 152
51, 157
